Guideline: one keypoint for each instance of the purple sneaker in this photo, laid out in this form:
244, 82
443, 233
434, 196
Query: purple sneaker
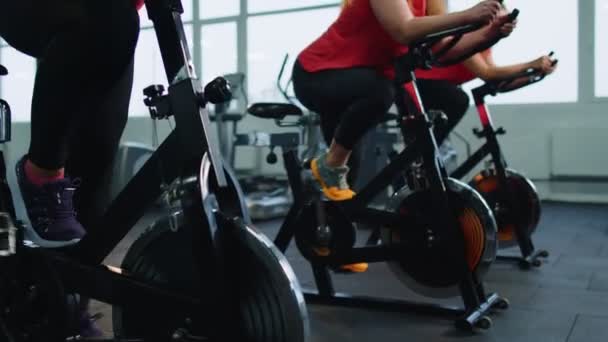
88, 327
51, 211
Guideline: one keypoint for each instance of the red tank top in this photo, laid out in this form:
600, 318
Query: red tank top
456, 74
356, 38
139, 3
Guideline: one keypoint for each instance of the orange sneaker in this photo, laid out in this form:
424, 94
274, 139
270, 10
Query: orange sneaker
350, 268
353, 268
332, 180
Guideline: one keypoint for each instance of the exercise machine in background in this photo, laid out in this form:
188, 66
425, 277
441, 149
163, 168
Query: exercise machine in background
511, 195
270, 197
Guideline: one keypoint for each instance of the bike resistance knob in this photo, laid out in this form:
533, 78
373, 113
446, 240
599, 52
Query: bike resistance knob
218, 91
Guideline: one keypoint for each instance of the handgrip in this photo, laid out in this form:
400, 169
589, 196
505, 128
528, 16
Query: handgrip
513, 15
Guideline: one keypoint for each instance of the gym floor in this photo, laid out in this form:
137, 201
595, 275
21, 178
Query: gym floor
566, 300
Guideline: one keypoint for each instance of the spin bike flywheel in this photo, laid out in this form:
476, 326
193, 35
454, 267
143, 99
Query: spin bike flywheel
431, 269
524, 210
272, 307
32, 301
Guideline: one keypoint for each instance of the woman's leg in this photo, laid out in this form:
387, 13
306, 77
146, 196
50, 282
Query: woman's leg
447, 97
84, 49
80, 104
94, 146
350, 102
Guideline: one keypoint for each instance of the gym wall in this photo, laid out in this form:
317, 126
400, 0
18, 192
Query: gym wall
556, 129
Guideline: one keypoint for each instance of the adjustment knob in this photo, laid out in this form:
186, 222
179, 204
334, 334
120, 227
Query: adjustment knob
218, 91
271, 158
154, 90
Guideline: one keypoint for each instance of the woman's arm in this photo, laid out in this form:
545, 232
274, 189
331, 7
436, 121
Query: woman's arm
436, 7
483, 66
397, 19
476, 41
439, 7
487, 70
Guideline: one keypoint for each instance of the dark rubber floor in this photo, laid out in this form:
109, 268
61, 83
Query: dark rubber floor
566, 300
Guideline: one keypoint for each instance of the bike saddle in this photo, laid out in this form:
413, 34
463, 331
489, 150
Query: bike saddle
3, 70
277, 111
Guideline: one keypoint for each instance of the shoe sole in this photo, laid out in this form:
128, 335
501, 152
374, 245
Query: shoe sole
32, 239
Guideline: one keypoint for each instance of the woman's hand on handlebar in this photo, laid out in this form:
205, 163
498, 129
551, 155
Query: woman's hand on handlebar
544, 64
484, 12
501, 26
507, 29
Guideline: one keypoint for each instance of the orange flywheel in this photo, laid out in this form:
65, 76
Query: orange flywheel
474, 236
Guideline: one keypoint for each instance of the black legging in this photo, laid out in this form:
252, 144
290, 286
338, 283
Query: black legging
83, 83
447, 97
349, 101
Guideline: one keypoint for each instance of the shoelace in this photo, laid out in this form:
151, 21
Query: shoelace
59, 200
61, 204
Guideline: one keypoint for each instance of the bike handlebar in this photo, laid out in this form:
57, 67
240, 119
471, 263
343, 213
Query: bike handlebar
425, 58
437, 36
505, 85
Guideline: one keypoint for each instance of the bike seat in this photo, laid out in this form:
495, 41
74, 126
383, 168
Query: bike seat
275, 111
3, 70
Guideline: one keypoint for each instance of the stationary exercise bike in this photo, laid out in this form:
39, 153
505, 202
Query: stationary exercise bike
512, 197
438, 234
206, 274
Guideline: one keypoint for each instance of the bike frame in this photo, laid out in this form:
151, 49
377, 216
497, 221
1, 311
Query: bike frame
422, 147
492, 148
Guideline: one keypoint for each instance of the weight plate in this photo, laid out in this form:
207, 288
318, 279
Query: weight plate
526, 209
272, 308
433, 271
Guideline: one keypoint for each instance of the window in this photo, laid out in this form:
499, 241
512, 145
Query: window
186, 16
210, 9
17, 87
149, 68
270, 38
601, 48
255, 6
219, 50
534, 37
